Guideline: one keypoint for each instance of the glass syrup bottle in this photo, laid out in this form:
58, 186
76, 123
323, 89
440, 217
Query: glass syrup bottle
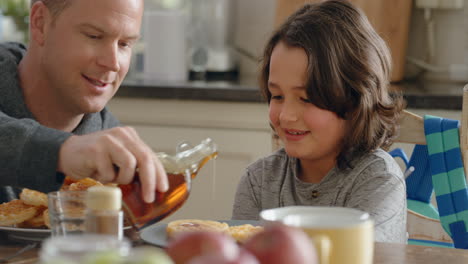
180, 169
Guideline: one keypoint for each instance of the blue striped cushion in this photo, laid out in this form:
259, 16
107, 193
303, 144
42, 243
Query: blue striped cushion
448, 177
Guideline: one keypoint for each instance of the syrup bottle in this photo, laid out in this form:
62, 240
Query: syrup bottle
180, 169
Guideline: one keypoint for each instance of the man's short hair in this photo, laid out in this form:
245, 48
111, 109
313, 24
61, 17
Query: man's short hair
55, 6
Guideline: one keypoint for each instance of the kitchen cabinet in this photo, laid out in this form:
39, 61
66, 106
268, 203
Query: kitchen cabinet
240, 130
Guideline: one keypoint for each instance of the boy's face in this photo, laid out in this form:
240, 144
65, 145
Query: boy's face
307, 132
86, 51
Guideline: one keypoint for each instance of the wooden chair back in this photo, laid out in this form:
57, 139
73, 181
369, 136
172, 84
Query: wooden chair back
412, 129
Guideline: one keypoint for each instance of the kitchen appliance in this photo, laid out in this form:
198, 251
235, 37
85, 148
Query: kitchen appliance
165, 45
211, 55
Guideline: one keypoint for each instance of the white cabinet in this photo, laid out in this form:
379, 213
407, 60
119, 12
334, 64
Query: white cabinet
240, 130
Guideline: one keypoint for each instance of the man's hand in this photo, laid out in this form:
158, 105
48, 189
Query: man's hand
95, 155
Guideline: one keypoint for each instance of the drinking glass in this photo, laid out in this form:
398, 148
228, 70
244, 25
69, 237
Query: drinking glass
67, 211
84, 248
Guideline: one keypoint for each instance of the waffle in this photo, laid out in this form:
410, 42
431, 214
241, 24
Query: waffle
16, 212
32, 197
36, 221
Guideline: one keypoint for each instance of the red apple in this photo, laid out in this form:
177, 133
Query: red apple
244, 257
280, 244
187, 246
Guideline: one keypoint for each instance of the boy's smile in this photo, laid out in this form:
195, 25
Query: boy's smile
294, 134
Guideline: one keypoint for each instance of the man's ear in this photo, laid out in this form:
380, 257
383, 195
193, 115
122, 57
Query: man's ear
39, 18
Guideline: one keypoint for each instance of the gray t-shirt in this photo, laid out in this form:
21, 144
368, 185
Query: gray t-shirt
29, 150
375, 185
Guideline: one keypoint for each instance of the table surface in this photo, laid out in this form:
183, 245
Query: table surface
384, 253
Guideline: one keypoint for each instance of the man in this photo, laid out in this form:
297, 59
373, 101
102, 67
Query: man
53, 96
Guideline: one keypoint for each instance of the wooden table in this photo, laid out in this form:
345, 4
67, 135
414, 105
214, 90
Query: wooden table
385, 253
390, 253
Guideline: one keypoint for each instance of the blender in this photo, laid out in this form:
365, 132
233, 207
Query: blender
211, 57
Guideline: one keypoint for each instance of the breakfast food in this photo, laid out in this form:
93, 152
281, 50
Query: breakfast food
81, 185
31, 210
175, 228
46, 217
36, 221
240, 233
16, 212
32, 197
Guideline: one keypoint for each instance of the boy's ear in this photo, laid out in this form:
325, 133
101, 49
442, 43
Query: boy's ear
39, 19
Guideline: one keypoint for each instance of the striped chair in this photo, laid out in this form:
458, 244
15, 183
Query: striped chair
437, 159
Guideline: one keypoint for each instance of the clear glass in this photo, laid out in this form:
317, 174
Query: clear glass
67, 211
181, 168
84, 248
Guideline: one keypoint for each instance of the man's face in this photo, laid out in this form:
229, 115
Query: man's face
86, 52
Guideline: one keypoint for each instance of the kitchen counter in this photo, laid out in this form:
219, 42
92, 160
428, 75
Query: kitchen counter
240, 91
433, 95
444, 96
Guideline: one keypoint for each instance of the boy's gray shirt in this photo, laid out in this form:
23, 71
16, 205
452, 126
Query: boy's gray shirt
375, 185
28, 150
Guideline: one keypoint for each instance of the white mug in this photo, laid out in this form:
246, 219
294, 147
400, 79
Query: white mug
342, 235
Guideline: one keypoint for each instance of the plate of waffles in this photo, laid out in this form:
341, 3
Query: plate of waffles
160, 234
24, 213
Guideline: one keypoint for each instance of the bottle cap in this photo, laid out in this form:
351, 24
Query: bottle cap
104, 198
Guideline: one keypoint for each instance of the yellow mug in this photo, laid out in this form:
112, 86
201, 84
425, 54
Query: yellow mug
341, 235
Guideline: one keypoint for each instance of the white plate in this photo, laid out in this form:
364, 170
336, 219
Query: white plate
156, 234
25, 234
